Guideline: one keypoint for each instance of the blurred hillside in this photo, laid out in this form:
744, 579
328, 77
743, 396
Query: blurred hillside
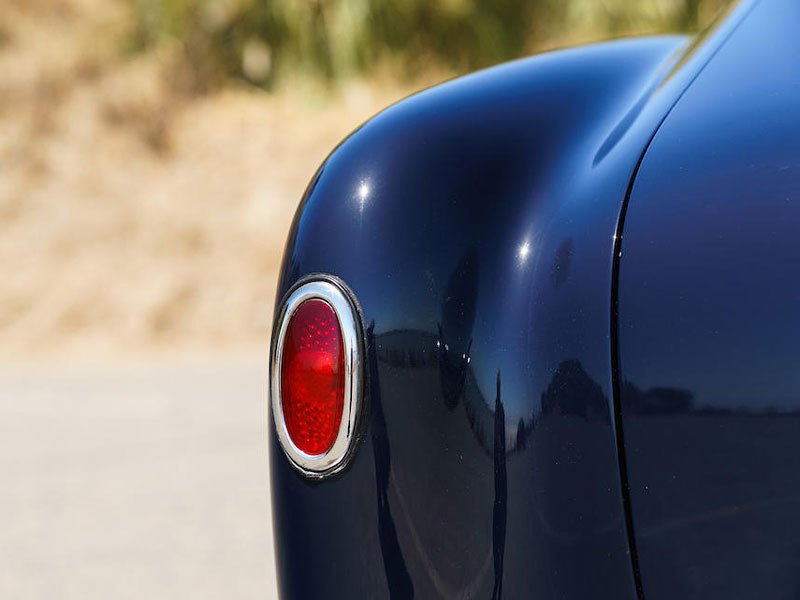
152, 152
264, 41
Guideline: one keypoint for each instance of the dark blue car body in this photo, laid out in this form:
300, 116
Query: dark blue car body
579, 279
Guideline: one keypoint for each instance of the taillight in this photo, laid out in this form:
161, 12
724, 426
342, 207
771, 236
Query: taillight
316, 376
312, 377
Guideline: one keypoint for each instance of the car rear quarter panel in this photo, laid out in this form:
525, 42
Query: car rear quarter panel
476, 223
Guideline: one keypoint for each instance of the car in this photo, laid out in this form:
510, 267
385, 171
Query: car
537, 332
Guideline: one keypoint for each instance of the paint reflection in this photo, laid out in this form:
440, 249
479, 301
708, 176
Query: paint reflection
500, 494
454, 340
397, 577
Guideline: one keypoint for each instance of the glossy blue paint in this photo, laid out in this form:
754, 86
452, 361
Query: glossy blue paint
476, 223
709, 326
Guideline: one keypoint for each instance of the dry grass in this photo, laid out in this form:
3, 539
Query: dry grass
135, 216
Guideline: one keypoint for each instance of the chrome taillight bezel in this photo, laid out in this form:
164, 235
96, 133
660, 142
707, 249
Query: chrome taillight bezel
338, 296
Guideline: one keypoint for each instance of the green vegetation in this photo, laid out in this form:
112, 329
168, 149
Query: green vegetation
264, 40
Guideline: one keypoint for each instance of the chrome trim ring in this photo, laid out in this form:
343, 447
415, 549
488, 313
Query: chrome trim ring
335, 293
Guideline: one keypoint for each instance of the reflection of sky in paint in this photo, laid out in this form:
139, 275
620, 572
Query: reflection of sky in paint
505, 339
499, 342
495, 337
725, 328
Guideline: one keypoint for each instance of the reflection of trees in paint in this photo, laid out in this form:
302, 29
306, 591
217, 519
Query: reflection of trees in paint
656, 400
572, 392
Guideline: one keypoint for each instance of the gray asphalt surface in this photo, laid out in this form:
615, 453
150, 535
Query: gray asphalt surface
135, 481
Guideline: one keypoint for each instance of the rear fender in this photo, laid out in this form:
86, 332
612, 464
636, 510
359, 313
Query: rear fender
475, 223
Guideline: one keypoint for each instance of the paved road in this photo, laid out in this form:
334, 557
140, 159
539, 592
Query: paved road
135, 481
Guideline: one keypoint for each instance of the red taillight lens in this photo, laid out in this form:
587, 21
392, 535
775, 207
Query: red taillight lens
312, 377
